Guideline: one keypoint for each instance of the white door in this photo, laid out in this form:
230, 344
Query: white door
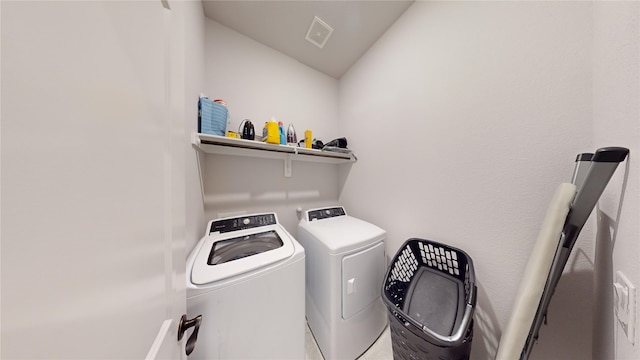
92, 182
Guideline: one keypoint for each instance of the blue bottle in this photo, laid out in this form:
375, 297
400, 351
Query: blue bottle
283, 136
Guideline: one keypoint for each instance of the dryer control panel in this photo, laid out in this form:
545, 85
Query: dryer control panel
319, 214
242, 223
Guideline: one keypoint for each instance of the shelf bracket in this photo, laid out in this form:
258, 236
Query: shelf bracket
287, 166
195, 142
199, 160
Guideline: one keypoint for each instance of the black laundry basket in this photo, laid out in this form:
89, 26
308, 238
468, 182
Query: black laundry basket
430, 294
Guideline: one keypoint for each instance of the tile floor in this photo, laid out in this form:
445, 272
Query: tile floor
380, 350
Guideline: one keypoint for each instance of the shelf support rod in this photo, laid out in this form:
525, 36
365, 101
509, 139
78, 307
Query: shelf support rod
195, 142
287, 166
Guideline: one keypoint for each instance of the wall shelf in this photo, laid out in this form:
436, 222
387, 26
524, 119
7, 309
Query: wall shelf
213, 144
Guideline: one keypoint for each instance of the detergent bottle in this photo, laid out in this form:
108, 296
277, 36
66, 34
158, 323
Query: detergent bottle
273, 133
283, 137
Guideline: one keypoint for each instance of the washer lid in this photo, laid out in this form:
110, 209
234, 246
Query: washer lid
343, 233
225, 255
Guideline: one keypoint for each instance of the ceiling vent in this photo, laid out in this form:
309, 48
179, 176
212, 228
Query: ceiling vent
318, 32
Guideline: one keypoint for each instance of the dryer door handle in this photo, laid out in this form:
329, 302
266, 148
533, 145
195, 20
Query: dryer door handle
182, 328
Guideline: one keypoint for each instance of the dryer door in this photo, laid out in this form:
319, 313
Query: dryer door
362, 274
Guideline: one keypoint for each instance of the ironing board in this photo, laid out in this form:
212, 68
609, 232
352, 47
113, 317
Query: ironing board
568, 211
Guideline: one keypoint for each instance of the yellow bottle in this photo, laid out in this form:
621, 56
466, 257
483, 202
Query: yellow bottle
273, 132
308, 138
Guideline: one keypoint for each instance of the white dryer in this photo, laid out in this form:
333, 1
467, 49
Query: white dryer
246, 278
345, 267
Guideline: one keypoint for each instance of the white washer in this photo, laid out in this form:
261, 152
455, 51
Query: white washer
246, 278
346, 264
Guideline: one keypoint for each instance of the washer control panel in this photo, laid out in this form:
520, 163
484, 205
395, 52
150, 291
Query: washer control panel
326, 213
242, 223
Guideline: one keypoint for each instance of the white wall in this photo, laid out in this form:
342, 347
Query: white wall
616, 121
258, 82
465, 116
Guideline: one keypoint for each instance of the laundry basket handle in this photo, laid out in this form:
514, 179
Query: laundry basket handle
454, 339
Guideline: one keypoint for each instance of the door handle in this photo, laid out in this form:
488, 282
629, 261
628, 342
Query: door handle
182, 328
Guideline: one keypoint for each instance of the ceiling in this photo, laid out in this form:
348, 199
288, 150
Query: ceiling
283, 25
